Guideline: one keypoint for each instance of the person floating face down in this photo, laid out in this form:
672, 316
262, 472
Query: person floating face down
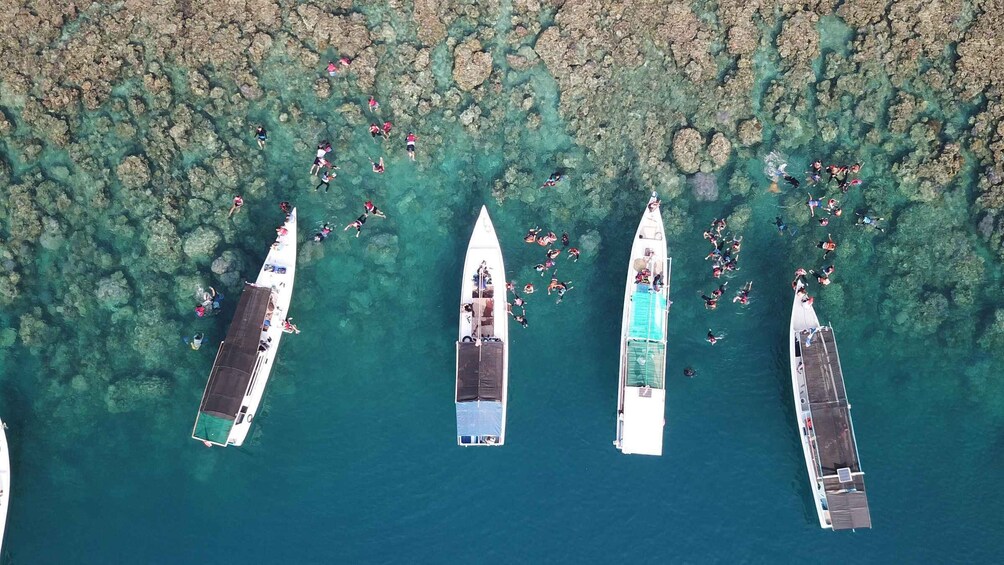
358, 224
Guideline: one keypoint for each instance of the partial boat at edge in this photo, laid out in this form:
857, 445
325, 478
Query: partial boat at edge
824, 421
245, 357
641, 397
4, 482
482, 384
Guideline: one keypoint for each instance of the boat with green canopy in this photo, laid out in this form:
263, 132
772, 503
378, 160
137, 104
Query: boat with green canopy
641, 399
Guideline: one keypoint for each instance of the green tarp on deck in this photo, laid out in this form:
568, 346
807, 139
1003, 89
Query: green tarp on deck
212, 428
648, 315
646, 364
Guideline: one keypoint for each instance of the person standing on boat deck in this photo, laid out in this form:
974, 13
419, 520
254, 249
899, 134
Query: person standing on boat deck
377, 167
262, 136
410, 145
373, 210
325, 179
358, 224
238, 202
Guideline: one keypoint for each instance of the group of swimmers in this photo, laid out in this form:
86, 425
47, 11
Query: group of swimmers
556, 285
725, 253
726, 248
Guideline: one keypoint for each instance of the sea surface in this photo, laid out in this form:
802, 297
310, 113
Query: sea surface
353, 457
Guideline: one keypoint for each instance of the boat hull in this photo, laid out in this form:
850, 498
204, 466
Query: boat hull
482, 376
641, 398
803, 317
277, 273
4, 482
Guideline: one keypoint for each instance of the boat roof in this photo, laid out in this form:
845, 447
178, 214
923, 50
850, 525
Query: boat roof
480, 370
479, 418
644, 419
231, 374
831, 421
648, 314
646, 363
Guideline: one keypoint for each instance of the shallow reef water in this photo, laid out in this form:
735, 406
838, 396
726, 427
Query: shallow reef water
127, 129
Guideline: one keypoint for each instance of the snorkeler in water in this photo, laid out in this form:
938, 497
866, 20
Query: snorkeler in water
373, 210
813, 203
743, 297
779, 223
866, 220
323, 234
358, 224
829, 246
712, 338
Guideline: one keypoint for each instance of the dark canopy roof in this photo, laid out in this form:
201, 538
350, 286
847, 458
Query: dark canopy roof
232, 371
479, 370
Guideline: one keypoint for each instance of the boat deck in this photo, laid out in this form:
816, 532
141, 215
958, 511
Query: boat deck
836, 449
828, 404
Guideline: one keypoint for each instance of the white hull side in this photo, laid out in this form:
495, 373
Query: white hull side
803, 317
485, 246
284, 254
651, 226
4, 482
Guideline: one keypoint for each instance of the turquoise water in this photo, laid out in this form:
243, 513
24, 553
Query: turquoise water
353, 458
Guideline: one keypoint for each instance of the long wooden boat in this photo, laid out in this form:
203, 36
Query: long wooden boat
824, 420
245, 357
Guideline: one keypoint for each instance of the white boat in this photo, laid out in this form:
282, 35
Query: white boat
641, 397
4, 482
482, 343
824, 420
245, 357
